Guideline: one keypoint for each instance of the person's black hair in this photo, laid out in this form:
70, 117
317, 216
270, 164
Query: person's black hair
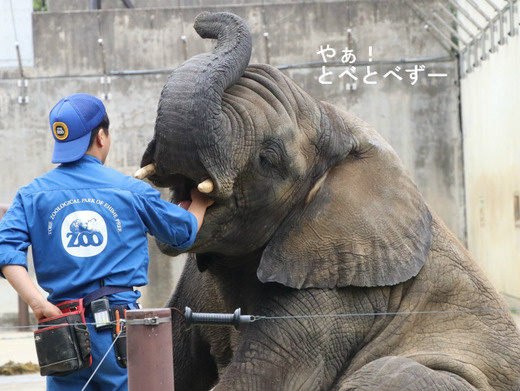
105, 124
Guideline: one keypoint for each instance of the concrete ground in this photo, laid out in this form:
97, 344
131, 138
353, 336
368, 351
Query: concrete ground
18, 346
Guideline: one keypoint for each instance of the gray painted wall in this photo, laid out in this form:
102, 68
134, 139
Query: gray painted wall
420, 121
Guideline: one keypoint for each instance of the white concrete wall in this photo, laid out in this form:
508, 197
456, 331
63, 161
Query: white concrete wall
490, 97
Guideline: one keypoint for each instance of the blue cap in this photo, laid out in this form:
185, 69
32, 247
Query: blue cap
72, 120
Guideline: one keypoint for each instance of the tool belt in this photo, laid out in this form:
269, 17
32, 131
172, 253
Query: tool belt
63, 341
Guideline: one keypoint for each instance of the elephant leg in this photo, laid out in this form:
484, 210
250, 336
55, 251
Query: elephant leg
195, 367
402, 374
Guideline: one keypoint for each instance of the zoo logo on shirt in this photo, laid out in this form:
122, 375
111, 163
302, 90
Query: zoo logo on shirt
84, 233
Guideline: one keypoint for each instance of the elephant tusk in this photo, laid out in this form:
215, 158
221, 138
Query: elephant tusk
205, 186
145, 172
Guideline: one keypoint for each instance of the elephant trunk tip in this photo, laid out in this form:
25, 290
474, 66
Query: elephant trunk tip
211, 25
227, 28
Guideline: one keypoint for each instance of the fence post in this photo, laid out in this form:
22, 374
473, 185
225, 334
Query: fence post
149, 349
23, 313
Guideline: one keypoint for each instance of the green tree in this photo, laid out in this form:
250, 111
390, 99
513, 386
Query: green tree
39, 5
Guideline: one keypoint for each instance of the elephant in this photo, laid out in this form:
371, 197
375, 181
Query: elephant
320, 234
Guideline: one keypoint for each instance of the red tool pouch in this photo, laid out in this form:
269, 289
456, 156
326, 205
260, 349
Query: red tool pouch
63, 342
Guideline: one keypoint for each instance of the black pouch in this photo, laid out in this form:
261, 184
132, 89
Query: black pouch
63, 342
119, 328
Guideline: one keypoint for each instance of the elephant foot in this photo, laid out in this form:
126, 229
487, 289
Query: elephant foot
402, 374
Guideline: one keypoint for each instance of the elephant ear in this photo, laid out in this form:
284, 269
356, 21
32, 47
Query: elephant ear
365, 224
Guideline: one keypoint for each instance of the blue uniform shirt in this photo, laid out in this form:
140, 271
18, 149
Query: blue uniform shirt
87, 223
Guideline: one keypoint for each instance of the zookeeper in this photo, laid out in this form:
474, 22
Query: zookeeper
87, 225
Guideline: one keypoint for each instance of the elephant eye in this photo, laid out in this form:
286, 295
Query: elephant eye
265, 161
272, 157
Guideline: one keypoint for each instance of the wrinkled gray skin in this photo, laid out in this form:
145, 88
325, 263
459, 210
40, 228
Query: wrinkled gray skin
314, 214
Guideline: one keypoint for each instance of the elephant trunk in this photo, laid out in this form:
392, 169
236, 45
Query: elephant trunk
189, 117
231, 55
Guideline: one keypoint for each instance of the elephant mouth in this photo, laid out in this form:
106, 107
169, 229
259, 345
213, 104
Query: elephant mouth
180, 190
180, 186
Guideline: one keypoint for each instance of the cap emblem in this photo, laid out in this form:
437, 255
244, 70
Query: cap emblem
61, 132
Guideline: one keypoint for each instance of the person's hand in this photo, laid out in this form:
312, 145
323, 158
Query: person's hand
200, 199
198, 206
45, 310
19, 279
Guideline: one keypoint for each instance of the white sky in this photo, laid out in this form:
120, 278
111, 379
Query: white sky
21, 10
